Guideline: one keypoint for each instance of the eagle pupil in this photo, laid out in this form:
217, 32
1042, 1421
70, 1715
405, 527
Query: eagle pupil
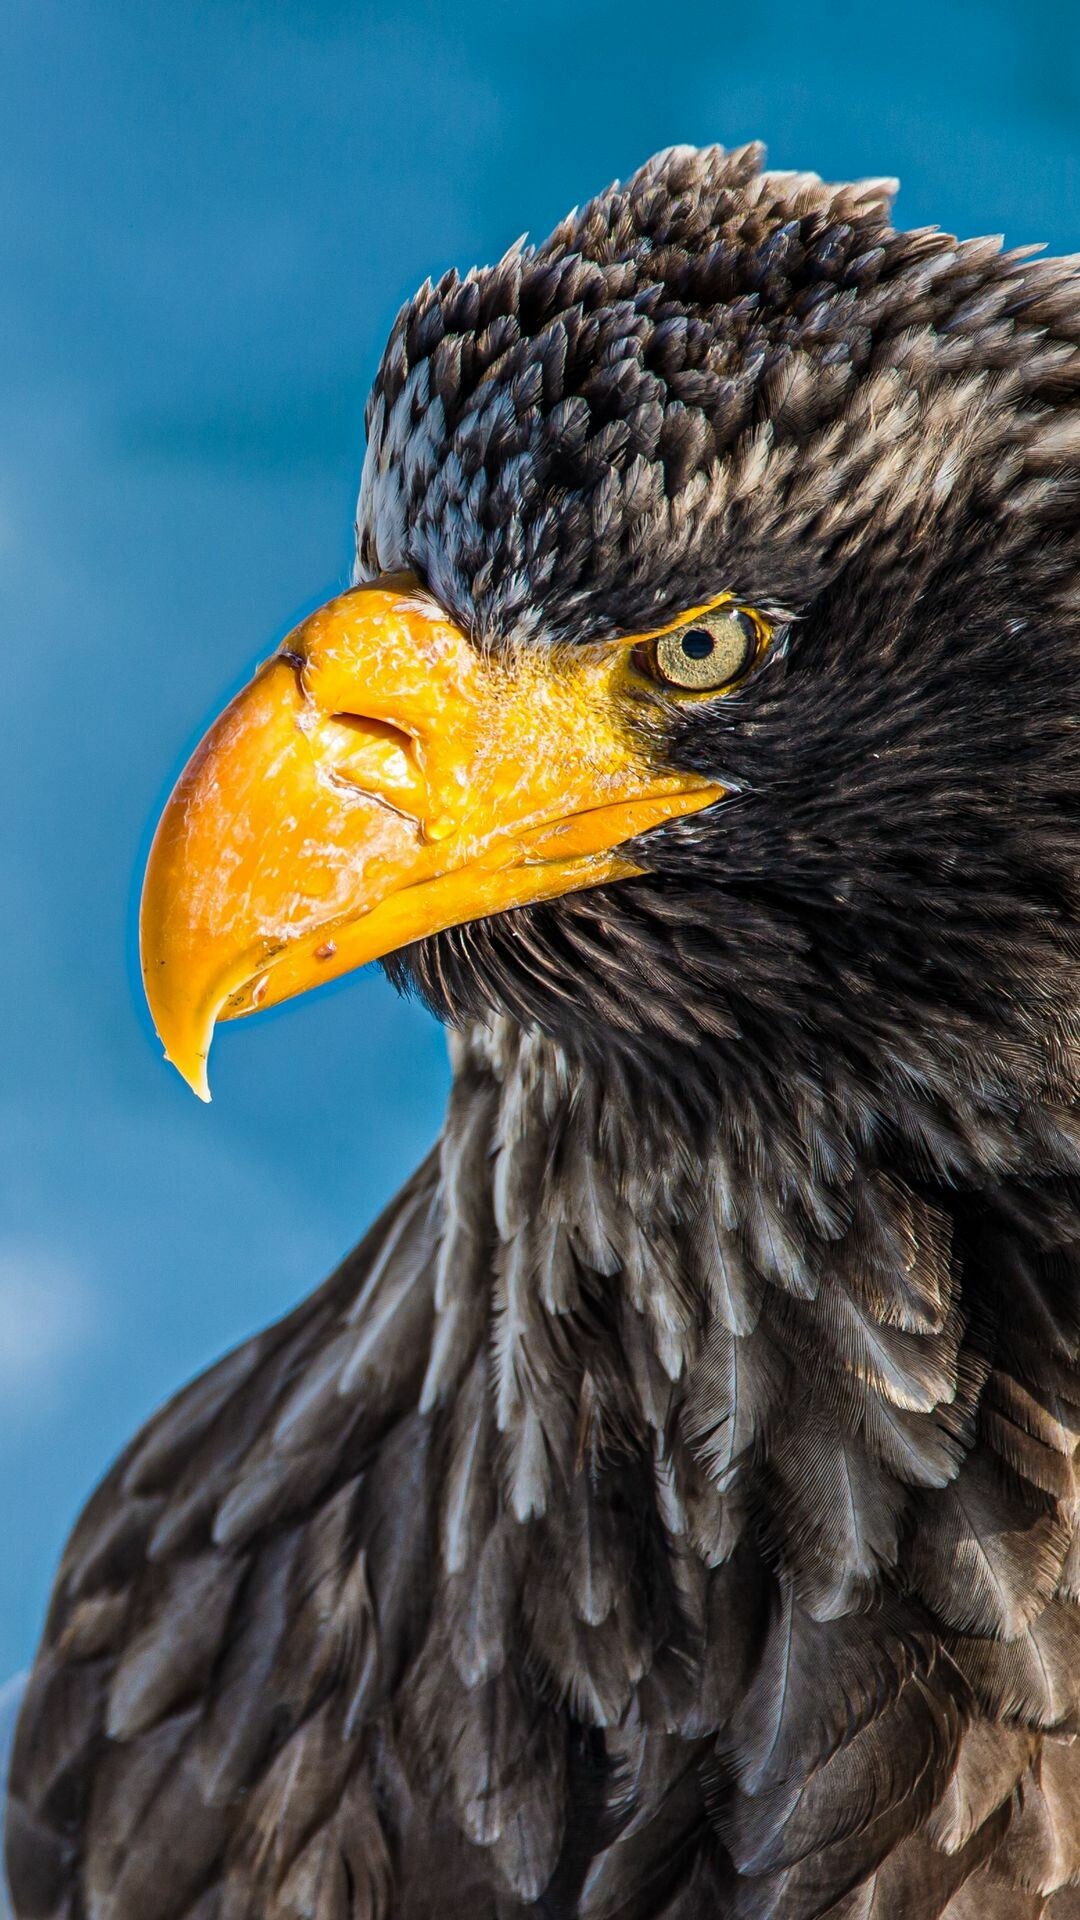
697, 644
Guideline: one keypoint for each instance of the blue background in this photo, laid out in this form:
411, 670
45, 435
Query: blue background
209, 216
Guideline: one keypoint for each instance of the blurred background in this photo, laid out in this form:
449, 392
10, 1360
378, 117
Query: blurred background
210, 213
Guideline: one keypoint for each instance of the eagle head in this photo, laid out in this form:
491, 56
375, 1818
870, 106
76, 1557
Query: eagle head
707, 693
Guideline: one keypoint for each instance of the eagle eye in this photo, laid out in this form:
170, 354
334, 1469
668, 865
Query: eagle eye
711, 652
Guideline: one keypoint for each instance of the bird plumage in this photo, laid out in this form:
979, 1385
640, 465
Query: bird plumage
670, 1508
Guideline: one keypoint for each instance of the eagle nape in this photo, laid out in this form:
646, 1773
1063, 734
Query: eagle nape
671, 1508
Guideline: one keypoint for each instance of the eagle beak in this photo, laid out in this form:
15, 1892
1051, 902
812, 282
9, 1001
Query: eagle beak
379, 779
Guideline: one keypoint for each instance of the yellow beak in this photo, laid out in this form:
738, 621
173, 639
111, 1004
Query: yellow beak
379, 779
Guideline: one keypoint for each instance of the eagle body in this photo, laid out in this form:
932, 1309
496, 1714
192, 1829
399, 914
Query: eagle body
670, 1509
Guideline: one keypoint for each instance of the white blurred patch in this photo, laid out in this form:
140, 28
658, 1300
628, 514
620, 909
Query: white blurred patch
46, 1319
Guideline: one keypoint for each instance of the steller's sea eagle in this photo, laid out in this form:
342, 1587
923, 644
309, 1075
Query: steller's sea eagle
670, 1509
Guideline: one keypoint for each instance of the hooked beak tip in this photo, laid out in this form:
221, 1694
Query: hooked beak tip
200, 1086
194, 1074
187, 1047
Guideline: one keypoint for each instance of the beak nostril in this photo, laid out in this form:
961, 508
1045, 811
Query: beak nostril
378, 732
375, 756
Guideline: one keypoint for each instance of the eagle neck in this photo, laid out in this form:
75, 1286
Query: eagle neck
671, 1314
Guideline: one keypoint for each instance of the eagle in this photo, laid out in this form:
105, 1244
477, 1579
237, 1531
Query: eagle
670, 1510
